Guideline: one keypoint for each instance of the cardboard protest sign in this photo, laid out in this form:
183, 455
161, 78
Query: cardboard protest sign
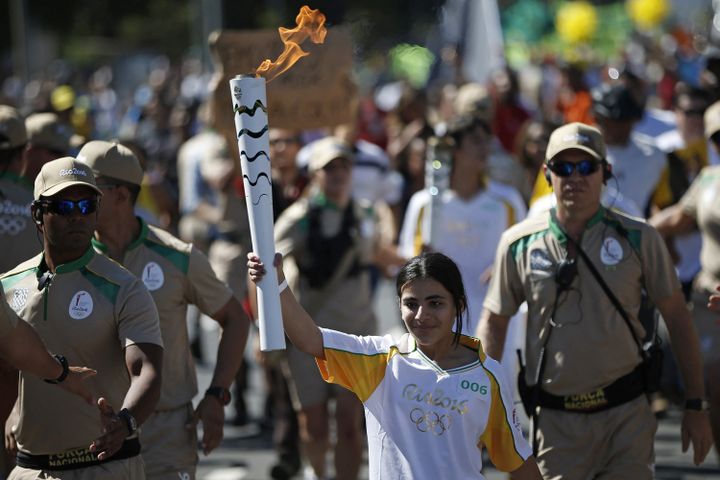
316, 92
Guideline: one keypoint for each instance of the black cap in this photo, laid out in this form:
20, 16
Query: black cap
616, 102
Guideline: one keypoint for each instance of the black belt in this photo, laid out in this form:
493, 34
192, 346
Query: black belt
78, 458
622, 390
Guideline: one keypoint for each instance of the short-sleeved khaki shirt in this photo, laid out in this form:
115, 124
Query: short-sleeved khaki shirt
90, 311
591, 345
702, 203
342, 305
176, 274
8, 318
18, 235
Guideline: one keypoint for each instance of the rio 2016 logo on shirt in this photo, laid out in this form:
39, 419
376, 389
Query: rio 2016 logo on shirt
611, 252
153, 276
429, 421
81, 305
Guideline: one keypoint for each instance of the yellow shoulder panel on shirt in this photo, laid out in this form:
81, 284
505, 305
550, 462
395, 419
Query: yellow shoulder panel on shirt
498, 435
361, 374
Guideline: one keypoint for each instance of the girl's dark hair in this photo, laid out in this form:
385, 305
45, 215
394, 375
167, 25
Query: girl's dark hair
442, 269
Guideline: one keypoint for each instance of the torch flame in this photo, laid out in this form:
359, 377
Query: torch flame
310, 23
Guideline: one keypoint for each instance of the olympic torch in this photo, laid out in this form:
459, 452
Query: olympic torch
249, 96
251, 126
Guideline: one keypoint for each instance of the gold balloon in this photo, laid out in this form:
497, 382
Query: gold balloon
647, 14
576, 21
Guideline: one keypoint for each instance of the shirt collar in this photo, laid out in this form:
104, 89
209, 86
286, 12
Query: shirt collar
134, 244
70, 266
559, 232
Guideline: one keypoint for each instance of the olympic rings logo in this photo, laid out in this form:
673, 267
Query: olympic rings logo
430, 421
12, 225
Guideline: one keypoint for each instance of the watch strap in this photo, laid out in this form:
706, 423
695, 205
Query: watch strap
129, 420
696, 404
221, 393
65, 372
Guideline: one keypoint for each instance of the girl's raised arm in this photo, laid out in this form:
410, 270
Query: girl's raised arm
299, 326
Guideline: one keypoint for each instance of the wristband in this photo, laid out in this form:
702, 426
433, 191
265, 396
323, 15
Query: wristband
65, 372
283, 285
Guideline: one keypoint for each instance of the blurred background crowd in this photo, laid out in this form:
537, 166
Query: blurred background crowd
504, 73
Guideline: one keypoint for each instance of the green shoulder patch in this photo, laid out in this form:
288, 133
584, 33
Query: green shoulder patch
104, 285
181, 260
12, 278
518, 247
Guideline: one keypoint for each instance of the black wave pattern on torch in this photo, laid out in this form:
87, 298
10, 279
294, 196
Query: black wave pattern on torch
254, 157
249, 110
257, 179
250, 133
257, 202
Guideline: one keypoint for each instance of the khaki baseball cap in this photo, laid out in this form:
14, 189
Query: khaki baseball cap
45, 130
12, 128
326, 150
712, 120
113, 160
57, 175
576, 136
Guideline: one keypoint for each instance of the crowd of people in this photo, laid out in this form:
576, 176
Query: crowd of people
584, 212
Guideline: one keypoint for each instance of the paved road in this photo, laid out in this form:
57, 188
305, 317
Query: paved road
246, 452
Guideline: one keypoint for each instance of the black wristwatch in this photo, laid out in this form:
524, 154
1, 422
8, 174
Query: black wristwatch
697, 404
129, 420
221, 393
65, 372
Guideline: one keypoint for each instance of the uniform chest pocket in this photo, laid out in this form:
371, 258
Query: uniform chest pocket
542, 286
541, 274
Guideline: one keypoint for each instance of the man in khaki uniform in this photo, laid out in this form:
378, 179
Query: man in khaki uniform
18, 236
48, 139
97, 313
593, 418
696, 211
177, 274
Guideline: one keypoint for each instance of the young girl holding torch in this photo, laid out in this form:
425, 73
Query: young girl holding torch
433, 400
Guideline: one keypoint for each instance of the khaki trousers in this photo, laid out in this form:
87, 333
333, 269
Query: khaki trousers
612, 444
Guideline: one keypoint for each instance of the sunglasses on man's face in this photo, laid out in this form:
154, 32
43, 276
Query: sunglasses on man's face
562, 168
67, 207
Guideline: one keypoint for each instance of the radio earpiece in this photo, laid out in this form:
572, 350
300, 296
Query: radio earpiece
37, 213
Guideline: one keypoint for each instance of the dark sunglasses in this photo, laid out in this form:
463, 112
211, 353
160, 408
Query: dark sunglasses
67, 207
565, 169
